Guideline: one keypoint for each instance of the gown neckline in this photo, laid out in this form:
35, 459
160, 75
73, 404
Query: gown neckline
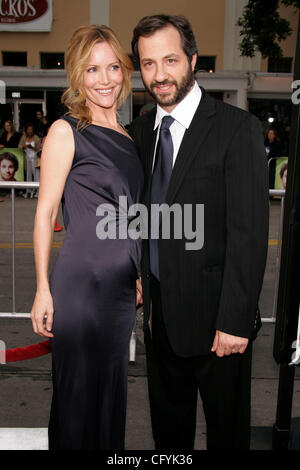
113, 130
108, 128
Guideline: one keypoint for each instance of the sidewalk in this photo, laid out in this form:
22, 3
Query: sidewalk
26, 394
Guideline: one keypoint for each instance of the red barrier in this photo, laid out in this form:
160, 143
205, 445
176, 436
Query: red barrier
29, 352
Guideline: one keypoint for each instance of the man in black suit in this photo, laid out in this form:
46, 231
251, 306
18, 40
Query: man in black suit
200, 305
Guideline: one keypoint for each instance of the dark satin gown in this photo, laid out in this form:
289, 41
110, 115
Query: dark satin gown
93, 284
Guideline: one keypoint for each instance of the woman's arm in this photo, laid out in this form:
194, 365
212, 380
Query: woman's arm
57, 157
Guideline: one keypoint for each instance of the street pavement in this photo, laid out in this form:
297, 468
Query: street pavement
25, 386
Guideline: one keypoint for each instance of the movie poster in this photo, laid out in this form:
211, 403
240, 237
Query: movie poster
11, 164
281, 173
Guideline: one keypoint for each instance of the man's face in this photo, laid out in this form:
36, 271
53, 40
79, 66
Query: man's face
7, 170
166, 71
38, 115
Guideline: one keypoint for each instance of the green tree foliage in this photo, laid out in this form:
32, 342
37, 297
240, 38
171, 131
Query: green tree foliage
263, 28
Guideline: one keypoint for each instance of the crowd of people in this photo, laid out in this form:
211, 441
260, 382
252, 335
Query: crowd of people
30, 142
274, 149
34, 134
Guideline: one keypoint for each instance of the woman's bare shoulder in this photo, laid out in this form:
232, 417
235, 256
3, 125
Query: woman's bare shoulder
61, 128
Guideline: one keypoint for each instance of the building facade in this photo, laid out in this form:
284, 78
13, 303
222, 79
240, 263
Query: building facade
32, 54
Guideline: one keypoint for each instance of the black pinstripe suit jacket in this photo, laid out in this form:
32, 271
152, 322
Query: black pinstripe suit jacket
222, 164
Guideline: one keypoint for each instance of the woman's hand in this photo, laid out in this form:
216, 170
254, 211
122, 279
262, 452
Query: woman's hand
42, 313
54, 172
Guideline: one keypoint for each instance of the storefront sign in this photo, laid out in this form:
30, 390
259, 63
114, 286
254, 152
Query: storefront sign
25, 15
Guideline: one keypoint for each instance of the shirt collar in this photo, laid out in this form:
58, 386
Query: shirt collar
184, 111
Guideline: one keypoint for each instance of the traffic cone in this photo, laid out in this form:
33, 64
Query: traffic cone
57, 228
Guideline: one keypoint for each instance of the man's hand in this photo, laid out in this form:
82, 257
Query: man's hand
139, 292
225, 344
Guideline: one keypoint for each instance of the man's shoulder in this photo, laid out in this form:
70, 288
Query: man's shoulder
234, 113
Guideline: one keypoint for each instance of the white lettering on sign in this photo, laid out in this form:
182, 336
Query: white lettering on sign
24, 9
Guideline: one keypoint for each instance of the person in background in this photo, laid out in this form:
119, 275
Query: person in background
41, 124
272, 144
10, 137
30, 144
274, 149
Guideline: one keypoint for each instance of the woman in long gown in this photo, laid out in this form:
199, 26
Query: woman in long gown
87, 307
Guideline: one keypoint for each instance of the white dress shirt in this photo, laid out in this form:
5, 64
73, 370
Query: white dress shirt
183, 114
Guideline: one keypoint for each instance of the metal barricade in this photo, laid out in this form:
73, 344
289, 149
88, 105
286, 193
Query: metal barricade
280, 193
15, 186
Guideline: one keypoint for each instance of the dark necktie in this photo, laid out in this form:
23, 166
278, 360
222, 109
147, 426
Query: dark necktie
160, 180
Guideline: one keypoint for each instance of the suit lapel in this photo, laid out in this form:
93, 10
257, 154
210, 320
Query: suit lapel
149, 145
191, 143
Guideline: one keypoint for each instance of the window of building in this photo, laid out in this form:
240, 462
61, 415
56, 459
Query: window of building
24, 93
281, 65
52, 60
17, 59
205, 63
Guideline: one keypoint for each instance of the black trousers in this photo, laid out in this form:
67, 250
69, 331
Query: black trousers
173, 384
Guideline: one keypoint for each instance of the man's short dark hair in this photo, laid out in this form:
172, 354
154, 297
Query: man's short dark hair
150, 24
10, 157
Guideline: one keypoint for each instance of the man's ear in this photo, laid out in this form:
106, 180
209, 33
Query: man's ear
194, 60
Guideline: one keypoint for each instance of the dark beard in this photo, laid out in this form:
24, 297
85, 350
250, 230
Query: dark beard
182, 89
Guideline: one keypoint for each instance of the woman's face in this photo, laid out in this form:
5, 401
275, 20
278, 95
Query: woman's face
7, 170
7, 127
102, 77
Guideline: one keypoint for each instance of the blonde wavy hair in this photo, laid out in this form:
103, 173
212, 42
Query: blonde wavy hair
77, 57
